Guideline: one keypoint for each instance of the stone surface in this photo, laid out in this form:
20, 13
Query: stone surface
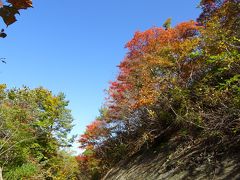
181, 161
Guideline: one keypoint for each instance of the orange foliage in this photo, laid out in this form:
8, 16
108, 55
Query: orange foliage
156, 57
93, 134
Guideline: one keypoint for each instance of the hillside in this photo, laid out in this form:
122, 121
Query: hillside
173, 111
182, 159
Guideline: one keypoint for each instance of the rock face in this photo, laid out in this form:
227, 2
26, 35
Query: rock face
175, 160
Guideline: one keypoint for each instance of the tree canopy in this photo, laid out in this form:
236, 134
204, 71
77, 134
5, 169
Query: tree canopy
173, 79
34, 129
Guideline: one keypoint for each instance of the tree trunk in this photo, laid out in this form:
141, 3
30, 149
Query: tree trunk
1, 178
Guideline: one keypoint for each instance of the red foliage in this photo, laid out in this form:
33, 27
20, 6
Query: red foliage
81, 158
123, 92
9, 10
21, 4
93, 134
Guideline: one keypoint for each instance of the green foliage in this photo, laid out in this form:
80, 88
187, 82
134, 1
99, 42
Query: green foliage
34, 126
63, 166
167, 23
23, 172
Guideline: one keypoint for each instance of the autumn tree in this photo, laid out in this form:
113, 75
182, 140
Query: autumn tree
96, 133
157, 61
172, 80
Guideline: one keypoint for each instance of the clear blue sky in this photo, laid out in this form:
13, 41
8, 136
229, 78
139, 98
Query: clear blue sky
75, 46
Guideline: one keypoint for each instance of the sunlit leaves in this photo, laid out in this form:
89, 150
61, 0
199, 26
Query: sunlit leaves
187, 75
155, 56
95, 132
34, 125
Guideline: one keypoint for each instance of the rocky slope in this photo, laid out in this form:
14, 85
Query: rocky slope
209, 158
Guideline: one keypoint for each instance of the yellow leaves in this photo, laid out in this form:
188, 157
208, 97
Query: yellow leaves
156, 60
151, 114
147, 96
187, 45
2, 87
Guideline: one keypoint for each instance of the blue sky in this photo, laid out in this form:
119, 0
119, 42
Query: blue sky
75, 46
